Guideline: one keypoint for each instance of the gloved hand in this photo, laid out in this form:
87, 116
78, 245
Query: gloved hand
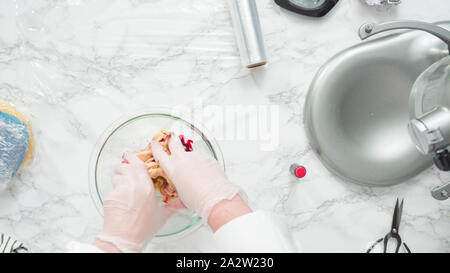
132, 212
199, 180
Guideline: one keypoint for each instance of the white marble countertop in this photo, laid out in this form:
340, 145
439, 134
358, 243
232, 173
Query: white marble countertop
74, 66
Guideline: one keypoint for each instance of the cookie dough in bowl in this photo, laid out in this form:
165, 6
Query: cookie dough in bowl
133, 133
161, 181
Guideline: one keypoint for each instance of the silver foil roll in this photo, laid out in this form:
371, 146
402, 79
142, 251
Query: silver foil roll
247, 28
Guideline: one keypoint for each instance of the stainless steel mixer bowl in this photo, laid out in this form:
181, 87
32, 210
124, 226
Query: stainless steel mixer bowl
356, 111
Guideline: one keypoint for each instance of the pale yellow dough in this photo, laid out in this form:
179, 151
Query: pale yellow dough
162, 183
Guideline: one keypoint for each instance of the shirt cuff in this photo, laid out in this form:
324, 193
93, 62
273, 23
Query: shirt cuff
254, 232
76, 247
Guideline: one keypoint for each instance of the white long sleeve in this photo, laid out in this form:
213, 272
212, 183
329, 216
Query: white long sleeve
254, 232
76, 247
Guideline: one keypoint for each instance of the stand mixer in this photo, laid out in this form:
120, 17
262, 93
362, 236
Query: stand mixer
429, 104
429, 127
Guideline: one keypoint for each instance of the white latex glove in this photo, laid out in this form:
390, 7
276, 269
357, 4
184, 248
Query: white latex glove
199, 180
132, 212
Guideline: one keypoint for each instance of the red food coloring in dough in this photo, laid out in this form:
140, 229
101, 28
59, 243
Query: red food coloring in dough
187, 144
124, 161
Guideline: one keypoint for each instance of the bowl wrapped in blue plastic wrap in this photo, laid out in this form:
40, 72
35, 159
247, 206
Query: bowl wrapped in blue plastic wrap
14, 140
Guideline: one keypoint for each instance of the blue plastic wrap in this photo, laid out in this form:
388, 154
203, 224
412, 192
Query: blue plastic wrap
14, 139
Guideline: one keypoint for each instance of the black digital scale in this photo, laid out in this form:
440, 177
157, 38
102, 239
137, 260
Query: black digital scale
314, 8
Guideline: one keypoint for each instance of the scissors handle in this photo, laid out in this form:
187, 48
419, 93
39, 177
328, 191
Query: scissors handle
396, 237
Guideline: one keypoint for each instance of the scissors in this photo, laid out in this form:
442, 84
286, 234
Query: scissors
393, 234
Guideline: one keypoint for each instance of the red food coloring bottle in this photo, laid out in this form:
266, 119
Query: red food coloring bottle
298, 170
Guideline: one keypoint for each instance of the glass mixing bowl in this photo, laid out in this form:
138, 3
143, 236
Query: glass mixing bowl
133, 133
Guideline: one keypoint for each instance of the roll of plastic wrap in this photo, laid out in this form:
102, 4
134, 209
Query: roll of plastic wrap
247, 28
16, 142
